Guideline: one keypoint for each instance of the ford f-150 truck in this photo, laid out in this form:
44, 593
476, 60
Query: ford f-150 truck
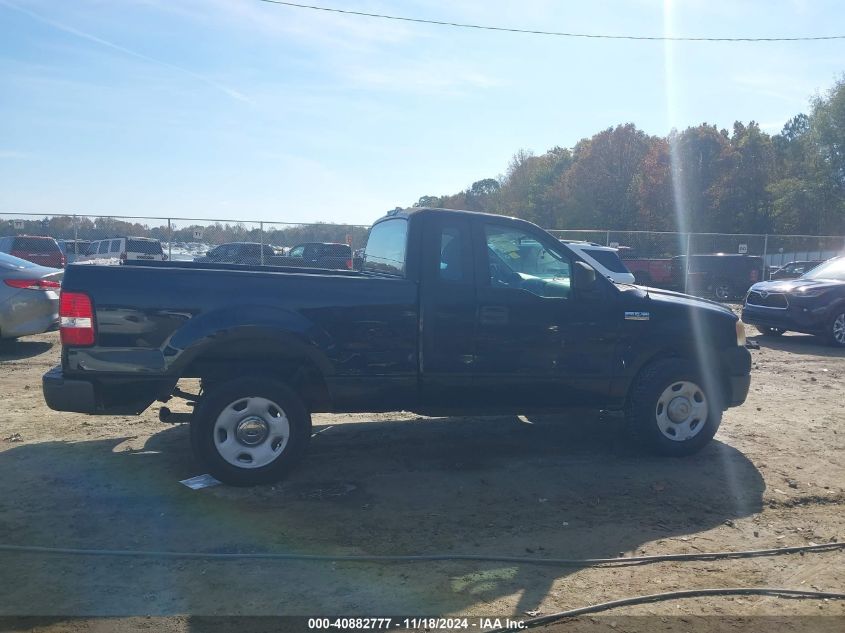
453, 313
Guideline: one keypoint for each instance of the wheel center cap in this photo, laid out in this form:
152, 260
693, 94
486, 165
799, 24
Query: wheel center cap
679, 409
252, 431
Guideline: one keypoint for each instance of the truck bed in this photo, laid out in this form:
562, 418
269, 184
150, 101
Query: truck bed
158, 321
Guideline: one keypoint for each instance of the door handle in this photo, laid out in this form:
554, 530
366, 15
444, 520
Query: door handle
494, 315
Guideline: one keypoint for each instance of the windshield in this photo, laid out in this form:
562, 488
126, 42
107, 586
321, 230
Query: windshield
832, 269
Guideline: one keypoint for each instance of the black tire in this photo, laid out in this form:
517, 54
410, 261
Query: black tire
835, 331
221, 396
771, 331
645, 398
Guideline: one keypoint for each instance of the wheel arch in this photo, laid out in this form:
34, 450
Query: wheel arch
689, 353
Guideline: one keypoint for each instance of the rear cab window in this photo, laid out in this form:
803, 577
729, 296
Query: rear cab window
336, 250
35, 245
144, 247
387, 247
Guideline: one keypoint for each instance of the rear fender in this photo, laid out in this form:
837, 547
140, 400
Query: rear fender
256, 331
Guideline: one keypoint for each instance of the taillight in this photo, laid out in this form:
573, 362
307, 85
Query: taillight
76, 319
62, 261
33, 284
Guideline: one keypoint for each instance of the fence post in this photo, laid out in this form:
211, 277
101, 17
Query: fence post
261, 237
765, 250
607, 241
686, 266
169, 241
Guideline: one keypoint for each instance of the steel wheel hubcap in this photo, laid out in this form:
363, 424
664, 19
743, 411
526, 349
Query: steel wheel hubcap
251, 432
839, 328
681, 411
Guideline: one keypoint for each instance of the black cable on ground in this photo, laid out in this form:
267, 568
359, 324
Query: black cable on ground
376, 558
676, 595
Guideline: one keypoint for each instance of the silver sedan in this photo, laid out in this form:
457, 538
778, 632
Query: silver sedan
29, 297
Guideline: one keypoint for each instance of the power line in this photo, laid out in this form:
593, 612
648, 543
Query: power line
597, 36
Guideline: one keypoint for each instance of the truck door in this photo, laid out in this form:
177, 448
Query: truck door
539, 342
448, 311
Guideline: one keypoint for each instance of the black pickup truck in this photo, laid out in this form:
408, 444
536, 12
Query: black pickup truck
453, 313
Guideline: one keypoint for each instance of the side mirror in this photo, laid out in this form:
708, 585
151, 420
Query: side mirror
585, 277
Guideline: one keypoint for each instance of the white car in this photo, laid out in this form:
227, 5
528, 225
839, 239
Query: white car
604, 259
121, 249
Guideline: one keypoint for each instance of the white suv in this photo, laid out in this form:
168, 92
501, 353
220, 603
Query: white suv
604, 259
121, 249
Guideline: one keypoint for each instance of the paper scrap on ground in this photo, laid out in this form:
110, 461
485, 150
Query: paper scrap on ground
200, 481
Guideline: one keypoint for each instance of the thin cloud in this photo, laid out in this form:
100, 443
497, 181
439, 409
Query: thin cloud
234, 94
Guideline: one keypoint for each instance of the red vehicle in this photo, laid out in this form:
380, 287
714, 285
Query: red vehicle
650, 271
40, 250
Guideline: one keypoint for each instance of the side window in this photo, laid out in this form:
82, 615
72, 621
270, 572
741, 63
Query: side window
115, 246
453, 246
517, 260
299, 251
386, 247
104, 248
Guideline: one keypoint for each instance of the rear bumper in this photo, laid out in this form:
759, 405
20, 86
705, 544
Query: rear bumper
114, 396
737, 362
61, 394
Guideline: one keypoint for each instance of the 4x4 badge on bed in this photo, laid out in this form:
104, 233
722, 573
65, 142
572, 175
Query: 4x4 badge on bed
637, 316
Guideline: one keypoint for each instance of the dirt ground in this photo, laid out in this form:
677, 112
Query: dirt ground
569, 487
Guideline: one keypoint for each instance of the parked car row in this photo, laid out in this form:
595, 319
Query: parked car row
327, 255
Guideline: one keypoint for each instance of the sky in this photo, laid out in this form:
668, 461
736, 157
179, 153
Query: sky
245, 110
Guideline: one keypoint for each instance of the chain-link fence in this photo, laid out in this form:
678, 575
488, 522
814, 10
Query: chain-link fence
655, 258
112, 239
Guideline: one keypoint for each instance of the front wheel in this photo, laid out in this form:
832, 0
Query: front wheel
670, 411
249, 431
836, 331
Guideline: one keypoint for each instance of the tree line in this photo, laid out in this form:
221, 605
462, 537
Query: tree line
701, 179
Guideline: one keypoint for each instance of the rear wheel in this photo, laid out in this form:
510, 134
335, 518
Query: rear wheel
249, 431
836, 330
723, 290
771, 331
670, 411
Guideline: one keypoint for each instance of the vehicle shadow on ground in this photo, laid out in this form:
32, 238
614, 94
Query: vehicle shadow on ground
799, 344
572, 488
20, 350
